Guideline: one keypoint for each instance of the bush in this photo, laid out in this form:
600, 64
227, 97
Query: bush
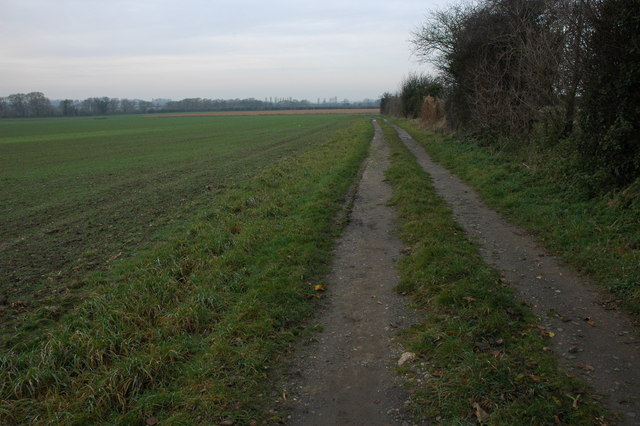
414, 88
610, 115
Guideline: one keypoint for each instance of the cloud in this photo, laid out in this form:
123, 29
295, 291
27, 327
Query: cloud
150, 48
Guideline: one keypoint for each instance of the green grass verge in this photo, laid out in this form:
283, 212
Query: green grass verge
478, 343
187, 332
600, 236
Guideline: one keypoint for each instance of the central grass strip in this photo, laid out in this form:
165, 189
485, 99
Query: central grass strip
187, 333
484, 356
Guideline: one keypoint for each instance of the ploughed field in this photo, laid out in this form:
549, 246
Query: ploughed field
79, 194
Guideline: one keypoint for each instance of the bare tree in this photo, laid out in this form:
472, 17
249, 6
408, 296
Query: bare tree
127, 106
68, 108
18, 104
38, 104
4, 108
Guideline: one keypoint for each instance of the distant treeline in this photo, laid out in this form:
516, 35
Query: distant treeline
36, 104
540, 74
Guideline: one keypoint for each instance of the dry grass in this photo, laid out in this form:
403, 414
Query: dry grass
432, 113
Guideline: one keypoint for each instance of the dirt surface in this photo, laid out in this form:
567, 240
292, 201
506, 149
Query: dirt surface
348, 376
593, 339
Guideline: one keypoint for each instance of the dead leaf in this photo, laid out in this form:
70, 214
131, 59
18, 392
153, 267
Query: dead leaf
227, 423
480, 413
587, 367
534, 378
319, 287
152, 421
575, 401
469, 299
496, 354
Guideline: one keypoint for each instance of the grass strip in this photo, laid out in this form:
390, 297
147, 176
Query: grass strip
484, 358
598, 235
187, 332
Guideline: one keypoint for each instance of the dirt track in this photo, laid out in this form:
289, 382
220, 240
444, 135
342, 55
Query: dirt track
348, 377
593, 339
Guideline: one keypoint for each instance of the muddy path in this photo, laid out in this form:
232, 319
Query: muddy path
348, 376
593, 339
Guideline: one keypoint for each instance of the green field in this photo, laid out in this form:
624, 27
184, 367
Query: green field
78, 194
224, 225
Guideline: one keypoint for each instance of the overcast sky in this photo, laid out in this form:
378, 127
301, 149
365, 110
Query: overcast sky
212, 49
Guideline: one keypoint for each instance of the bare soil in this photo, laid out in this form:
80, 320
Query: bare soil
348, 376
593, 339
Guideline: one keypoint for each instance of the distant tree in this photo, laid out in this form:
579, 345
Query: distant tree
4, 108
18, 104
87, 107
127, 106
38, 104
67, 108
113, 106
145, 106
103, 105
96, 106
